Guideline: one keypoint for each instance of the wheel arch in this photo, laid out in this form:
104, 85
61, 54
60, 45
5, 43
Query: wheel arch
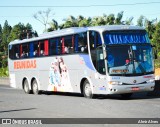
82, 83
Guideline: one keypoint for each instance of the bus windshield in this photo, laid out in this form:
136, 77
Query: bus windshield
130, 60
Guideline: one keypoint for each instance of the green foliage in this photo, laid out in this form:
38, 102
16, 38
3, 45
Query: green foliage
71, 21
150, 27
129, 21
53, 26
81, 21
5, 34
157, 63
0, 35
20, 31
8, 34
4, 72
110, 19
156, 38
140, 21
16, 32
119, 17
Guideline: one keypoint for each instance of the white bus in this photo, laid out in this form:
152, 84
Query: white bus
115, 59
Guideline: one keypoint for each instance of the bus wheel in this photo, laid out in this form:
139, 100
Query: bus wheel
26, 87
35, 87
87, 91
126, 95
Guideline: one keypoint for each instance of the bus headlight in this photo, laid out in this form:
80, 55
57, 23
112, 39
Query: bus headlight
114, 83
150, 81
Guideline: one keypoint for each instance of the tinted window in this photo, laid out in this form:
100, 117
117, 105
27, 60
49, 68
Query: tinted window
54, 46
14, 51
24, 50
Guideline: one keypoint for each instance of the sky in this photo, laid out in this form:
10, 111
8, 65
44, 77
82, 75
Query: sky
15, 11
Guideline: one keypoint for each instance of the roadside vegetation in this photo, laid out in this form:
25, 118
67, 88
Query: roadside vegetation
4, 72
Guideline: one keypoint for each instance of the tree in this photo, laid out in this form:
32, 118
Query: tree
43, 17
111, 19
128, 21
119, 17
1, 53
0, 35
83, 22
156, 38
140, 21
53, 25
16, 32
20, 31
5, 34
28, 32
4, 43
150, 27
98, 21
71, 21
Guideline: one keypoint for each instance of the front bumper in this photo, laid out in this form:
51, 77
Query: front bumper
120, 89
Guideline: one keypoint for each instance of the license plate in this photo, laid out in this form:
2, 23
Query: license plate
135, 88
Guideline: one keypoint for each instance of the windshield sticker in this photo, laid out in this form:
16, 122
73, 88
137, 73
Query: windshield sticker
120, 71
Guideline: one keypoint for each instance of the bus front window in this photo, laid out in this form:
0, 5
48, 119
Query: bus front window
129, 60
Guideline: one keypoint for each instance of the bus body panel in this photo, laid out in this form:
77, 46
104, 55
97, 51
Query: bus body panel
42, 71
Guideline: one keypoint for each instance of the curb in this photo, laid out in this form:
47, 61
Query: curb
4, 80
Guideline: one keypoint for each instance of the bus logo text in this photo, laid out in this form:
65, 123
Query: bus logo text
28, 64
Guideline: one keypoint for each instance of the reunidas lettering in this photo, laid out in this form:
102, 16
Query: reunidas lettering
28, 64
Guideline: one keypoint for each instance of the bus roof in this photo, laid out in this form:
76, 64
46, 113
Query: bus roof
74, 30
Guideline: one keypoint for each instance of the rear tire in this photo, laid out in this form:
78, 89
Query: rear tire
87, 91
26, 87
35, 87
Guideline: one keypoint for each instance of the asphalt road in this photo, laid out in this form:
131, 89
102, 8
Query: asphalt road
14, 103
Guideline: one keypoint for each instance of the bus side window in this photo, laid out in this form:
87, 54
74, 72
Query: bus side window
82, 43
35, 49
17, 51
13, 52
54, 46
24, 50
43, 48
67, 44
94, 41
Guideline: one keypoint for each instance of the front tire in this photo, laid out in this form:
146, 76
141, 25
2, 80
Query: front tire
35, 88
26, 87
87, 91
